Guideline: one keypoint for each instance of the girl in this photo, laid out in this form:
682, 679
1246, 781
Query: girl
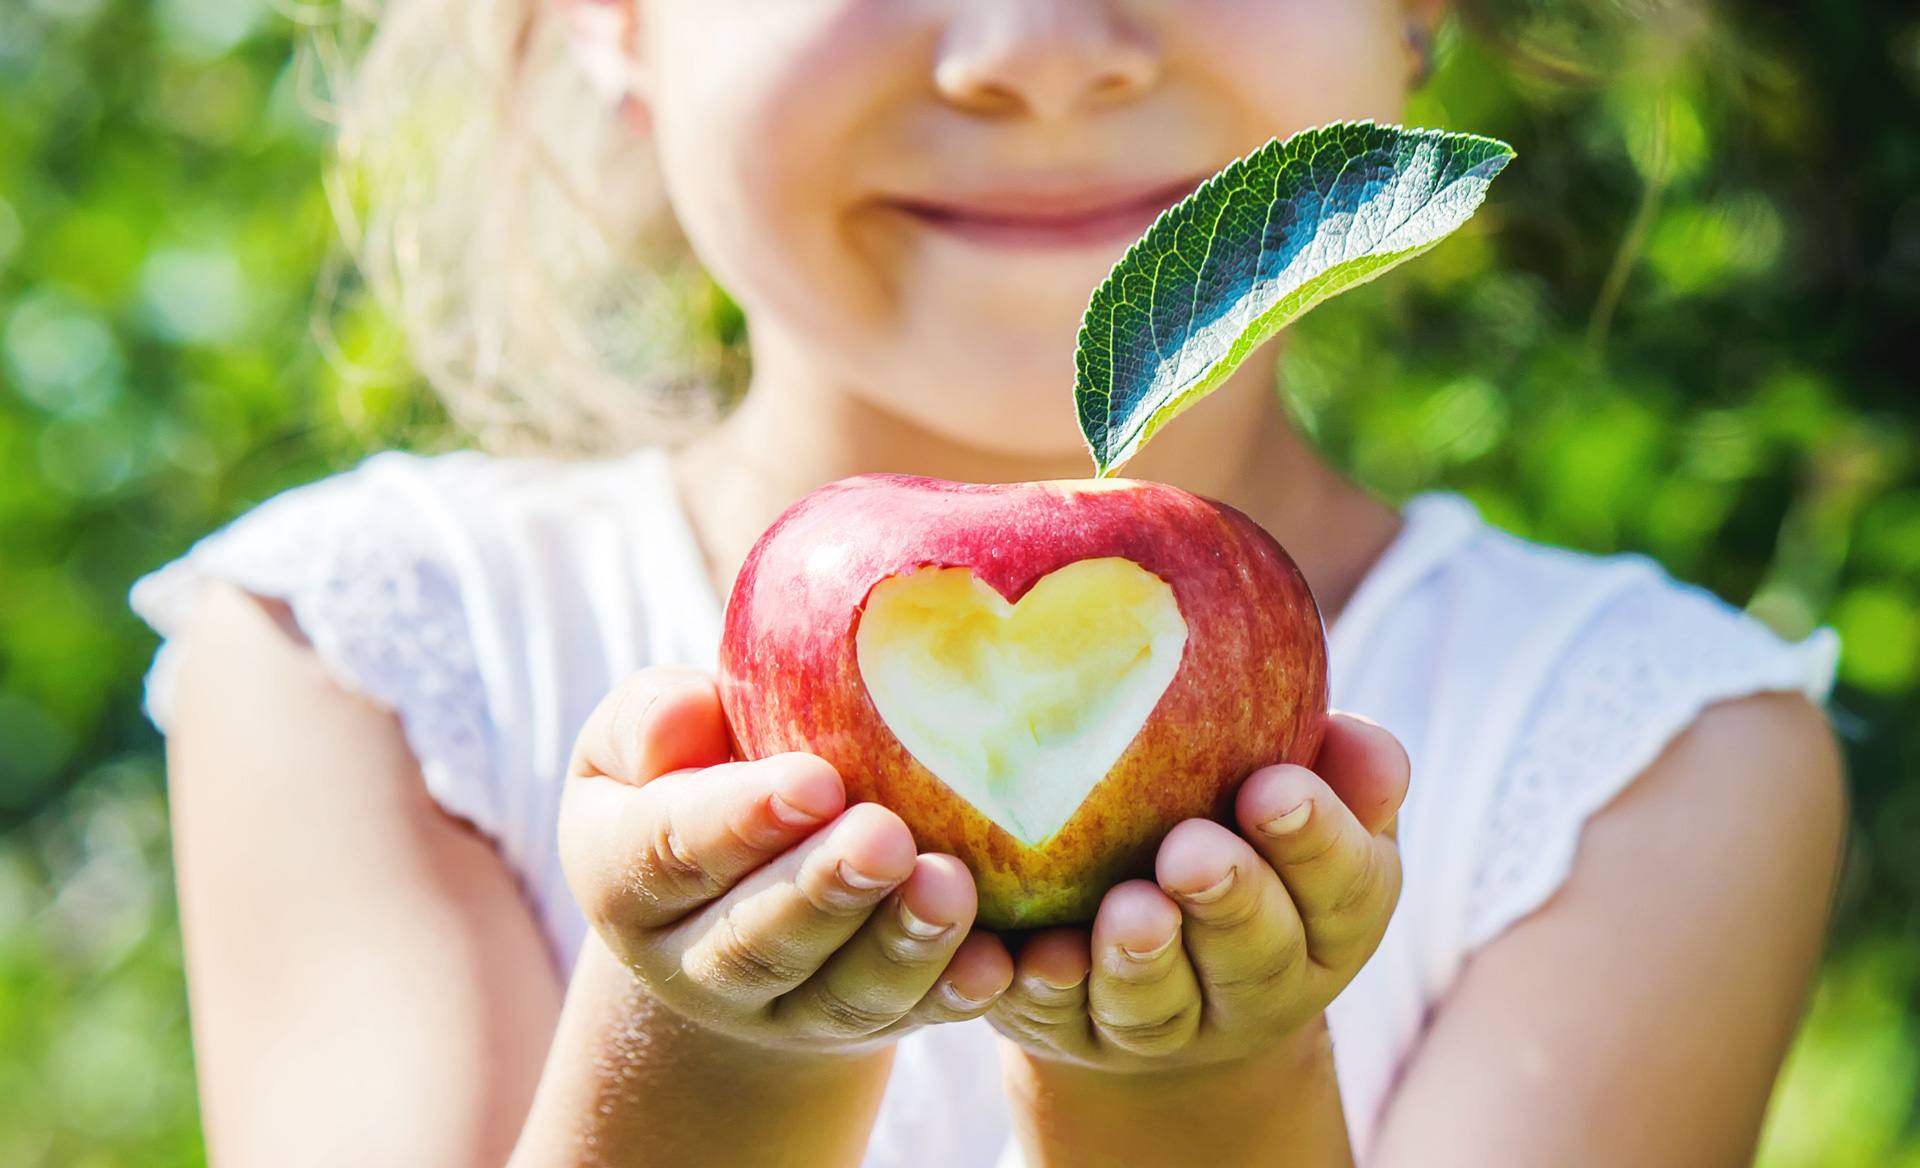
468, 876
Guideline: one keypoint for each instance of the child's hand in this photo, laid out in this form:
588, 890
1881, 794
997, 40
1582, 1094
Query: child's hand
747, 897
1242, 941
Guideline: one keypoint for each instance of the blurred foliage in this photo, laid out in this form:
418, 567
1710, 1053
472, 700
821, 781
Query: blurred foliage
1688, 324
162, 234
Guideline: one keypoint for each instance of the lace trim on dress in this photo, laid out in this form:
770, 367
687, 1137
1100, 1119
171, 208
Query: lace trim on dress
361, 569
1642, 672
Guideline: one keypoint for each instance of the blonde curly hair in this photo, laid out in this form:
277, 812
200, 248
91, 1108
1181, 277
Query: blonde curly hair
513, 223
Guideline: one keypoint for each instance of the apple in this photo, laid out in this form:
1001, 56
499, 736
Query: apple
1039, 678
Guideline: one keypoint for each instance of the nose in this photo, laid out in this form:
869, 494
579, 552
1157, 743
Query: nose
1046, 59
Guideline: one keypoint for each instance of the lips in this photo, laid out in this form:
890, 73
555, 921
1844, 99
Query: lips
1038, 218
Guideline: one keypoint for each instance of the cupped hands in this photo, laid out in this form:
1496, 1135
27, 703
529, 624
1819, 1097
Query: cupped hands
748, 898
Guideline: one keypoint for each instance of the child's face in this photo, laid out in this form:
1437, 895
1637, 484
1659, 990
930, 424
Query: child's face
912, 199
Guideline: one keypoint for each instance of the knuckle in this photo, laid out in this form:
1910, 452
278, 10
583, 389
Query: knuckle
735, 962
1035, 1030
1022, 1028
1138, 974
832, 897
1046, 1015
958, 1008
1346, 941
1358, 892
610, 908
744, 836
626, 913
1041, 1005
1259, 982
1291, 954
907, 953
1154, 1035
1287, 960
629, 704
1315, 847
845, 1015
1047, 996
1237, 911
627, 709
670, 868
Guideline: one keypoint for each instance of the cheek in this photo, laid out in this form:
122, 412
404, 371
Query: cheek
763, 138
768, 115
753, 108
1295, 64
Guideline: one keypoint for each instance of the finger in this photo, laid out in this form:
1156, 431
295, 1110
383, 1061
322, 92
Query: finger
1046, 1004
659, 720
1366, 767
1343, 881
980, 971
776, 928
878, 976
1241, 931
642, 857
1142, 997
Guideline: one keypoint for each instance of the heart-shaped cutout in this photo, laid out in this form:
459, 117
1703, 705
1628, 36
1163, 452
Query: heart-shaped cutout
1020, 708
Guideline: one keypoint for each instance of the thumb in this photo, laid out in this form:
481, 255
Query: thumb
658, 721
1367, 768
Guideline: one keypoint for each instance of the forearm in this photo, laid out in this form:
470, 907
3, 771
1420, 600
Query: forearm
630, 1083
1281, 1108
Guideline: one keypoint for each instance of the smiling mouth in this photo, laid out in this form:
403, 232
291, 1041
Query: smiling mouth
1045, 220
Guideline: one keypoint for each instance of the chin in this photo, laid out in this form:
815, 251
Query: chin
994, 407
988, 378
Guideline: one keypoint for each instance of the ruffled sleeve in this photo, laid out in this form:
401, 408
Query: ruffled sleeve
374, 583
1630, 681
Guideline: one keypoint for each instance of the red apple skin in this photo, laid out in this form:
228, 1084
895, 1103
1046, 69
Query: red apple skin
1251, 689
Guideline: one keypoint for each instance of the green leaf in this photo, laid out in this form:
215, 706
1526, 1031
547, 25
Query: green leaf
1253, 249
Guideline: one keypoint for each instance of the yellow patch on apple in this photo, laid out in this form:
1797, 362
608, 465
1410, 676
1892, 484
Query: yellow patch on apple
1020, 708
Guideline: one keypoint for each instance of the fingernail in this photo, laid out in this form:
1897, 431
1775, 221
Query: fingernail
1149, 954
788, 814
1057, 986
860, 881
915, 927
1289, 822
962, 1001
1211, 892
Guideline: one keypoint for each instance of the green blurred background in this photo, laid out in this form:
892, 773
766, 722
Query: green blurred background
1688, 323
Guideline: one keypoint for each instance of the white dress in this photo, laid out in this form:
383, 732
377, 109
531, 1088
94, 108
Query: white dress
493, 602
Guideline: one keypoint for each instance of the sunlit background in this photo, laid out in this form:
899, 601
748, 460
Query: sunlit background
1687, 324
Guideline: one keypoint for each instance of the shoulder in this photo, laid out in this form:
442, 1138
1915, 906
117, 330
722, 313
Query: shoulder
392, 512
411, 502
1552, 680
1772, 749
1597, 748
415, 580
1637, 662
399, 540
1552, 623
356, 557
1573, 598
